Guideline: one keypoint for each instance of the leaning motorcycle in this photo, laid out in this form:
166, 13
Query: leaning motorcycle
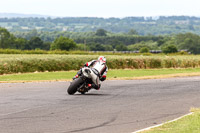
80, 84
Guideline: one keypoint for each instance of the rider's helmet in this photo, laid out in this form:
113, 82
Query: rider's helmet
102, 59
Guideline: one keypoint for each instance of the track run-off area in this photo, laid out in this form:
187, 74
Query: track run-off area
120, 106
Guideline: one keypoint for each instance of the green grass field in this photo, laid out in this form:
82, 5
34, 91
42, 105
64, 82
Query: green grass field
112, 74
187, 124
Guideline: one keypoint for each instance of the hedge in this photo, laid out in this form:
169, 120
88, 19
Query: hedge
22, 63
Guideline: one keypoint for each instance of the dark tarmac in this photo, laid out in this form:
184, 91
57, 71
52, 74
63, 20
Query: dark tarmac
119, 107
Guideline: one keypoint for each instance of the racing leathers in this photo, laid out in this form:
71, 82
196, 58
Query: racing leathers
101, 69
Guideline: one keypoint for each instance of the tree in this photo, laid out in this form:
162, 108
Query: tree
191, 45
35, 42
137, 46
20, 43
144, 50
121, 47
82, 47
63, 43
169, 49
6, 39
101, 32
189, 41
161, 42
133, 32
46, 46
108, 47
31, 34
97, 47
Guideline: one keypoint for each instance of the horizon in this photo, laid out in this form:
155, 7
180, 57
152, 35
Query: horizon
46, 16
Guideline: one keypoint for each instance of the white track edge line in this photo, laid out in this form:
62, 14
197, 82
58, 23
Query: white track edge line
148, 128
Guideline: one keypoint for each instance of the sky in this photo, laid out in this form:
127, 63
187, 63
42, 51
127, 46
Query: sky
102, 8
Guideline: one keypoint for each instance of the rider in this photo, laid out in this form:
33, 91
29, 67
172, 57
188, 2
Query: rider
100, 66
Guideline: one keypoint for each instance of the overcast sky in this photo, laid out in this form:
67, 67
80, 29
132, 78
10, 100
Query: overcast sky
102, 8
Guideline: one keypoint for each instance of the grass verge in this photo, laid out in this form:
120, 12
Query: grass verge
187, 124
112, 75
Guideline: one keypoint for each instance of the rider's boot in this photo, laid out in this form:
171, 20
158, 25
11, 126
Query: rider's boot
90, 86
94, 86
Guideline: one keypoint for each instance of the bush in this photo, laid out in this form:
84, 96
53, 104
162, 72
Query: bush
170, 49
144, 50
63, 43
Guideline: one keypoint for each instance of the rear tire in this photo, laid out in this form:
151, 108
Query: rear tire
74, 86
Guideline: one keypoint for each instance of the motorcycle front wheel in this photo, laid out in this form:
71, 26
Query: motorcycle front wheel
74, 86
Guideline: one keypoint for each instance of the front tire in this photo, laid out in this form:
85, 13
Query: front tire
74, 86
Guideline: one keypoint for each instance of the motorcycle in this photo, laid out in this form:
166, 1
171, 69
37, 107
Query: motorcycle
80, 84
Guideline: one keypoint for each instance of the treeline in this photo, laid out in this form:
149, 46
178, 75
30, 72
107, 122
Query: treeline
100, 40
143, 25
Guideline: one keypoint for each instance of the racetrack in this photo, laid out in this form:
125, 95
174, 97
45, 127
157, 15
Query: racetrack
119, 107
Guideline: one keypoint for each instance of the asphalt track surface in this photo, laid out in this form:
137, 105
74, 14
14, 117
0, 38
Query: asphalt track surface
119, 107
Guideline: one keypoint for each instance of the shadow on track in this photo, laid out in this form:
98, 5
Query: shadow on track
92, 94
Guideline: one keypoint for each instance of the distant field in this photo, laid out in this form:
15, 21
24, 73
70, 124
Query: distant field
21, 63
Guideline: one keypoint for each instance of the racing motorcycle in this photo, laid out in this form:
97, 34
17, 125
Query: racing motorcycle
80, 84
